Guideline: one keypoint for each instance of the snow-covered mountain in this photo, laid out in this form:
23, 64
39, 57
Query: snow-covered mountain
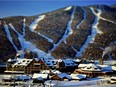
68, 32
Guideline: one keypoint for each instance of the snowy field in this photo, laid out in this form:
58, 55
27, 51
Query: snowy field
102, 81
91, 82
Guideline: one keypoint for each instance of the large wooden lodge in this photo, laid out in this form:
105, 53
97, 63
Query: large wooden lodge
36, 65
27, 66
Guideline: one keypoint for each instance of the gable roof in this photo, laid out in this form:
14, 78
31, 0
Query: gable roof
91, 67
37, 75
62, 75
69, 62
22, 62
82, 65
51, 62
78, 76
11, 60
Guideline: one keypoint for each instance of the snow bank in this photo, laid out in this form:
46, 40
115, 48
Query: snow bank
75, 83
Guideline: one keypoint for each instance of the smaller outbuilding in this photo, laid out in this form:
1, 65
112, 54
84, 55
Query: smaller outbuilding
78, 77
62, 76
40, 78
113, 79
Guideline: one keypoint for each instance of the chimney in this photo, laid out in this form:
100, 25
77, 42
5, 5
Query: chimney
101, 61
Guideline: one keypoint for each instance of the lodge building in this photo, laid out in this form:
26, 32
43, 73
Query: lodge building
27, 66
91, 70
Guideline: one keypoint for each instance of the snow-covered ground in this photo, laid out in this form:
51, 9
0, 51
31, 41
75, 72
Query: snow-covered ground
111, 62
91, 82
55, 83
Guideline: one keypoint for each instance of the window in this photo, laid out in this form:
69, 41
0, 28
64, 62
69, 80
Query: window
23, 60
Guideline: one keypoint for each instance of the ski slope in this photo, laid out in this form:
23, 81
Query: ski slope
90, 38
83, 18
9, 37
67, 33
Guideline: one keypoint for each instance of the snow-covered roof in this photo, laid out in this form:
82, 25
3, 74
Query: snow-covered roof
52, 71
37, 75
78, 76
105, 68
77, 60
11, 60
59, 60
45, 71
51, 62
114, 68
113, 77
82, 65
62, 75
7, 76
69, 62
91, 67
22, 72
22, 62
56, 72
23, 77
36, 59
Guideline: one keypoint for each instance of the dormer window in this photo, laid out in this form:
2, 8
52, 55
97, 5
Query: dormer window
19, 63
95, 68
88, 67
23, 60
68, 63
28, 61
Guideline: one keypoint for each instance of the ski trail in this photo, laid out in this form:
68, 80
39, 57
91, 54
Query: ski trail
75, 51
83, 19
20, 38
99, 13
9, 37
28, 45
49, 39
90, 38
31, 47
67, 32
24, 26
34, 25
